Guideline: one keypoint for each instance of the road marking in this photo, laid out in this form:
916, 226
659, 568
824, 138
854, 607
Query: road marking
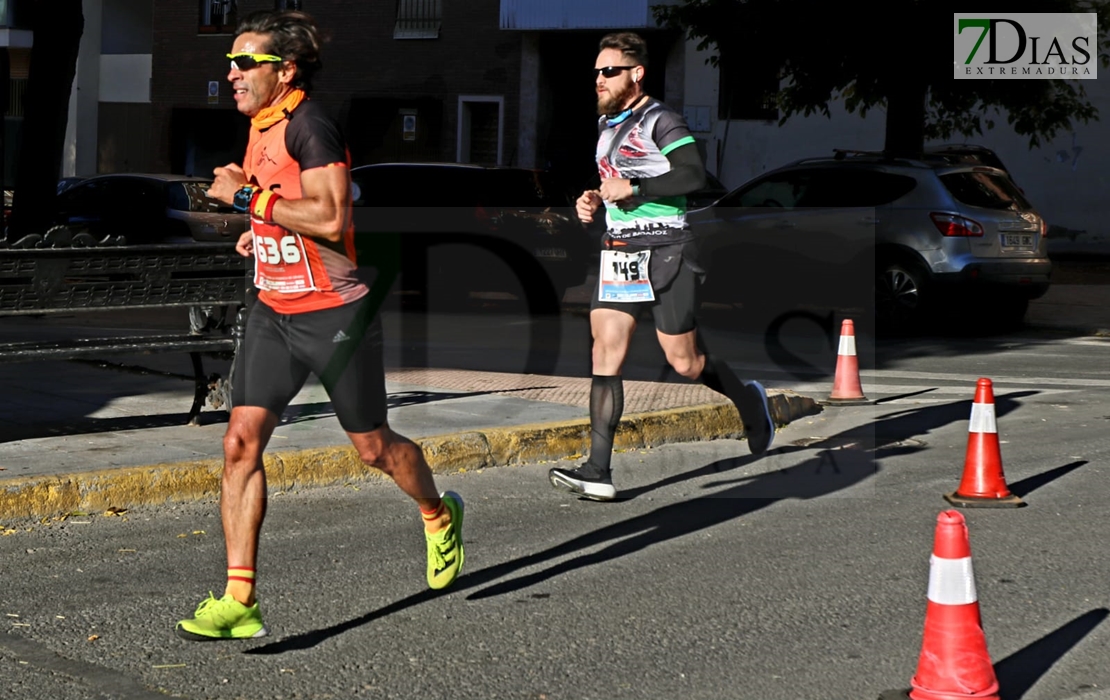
923, 393
995, 379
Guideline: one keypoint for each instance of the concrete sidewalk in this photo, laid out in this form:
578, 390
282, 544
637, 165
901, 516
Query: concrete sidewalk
105, 439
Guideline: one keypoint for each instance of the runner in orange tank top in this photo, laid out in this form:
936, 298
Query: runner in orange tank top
314, 315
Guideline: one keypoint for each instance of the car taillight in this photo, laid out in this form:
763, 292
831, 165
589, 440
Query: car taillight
1044, 229
954, 225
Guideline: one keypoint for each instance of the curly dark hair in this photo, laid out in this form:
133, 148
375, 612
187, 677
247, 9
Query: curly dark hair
292, 35
630, 44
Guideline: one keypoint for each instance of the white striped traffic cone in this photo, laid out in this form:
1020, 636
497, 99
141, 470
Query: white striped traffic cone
954, 661
983, 484
846, 389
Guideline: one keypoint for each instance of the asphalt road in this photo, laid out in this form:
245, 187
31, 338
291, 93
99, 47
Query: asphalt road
798, 575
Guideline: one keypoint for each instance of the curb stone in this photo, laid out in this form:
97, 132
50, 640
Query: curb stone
49, 496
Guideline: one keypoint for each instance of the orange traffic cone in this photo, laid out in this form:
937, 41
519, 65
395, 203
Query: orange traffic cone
846, 386
983, 484
954, 662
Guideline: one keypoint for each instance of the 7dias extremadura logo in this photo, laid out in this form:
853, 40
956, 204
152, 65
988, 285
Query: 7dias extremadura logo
1026, 46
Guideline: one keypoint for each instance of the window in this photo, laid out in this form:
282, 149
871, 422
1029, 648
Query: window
218, 16
777, 191
747, 89
985, 189
855, 187
418, 19
707, 195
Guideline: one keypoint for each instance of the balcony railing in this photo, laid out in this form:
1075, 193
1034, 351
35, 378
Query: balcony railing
17, 94
418, 19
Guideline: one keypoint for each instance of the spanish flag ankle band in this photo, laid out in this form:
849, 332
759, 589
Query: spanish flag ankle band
240, 573
432, 514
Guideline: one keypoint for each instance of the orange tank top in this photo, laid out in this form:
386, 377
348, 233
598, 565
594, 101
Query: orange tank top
296, 273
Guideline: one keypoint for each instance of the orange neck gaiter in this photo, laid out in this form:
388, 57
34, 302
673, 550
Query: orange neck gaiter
269, 116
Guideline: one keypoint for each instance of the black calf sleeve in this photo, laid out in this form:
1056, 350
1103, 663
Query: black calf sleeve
717, 375
606, 407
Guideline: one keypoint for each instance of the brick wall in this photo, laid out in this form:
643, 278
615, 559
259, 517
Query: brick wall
362, 60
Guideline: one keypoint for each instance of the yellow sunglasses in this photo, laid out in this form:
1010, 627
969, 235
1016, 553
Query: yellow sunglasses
246, 61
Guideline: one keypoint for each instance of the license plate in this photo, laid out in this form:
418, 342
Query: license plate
1017, 240
559, 253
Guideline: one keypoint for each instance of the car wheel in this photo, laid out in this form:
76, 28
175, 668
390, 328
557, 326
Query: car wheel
900, 295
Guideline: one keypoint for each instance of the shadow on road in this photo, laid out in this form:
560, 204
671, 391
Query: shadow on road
818, 476
839, 462
1030, 484
1020, 671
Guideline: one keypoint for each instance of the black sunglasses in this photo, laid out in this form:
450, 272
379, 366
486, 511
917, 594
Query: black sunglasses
611, 71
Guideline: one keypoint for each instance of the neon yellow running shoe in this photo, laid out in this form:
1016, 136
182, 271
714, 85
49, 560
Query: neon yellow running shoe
223, 618
445, 548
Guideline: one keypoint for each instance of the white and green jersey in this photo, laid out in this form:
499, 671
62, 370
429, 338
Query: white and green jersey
638, 147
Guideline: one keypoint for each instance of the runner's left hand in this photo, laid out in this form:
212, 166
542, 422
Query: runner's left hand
615, 189
245, 245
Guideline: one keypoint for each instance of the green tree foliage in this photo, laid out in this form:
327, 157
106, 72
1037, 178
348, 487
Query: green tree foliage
894, 55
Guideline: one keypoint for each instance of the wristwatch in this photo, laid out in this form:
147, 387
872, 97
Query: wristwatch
635, 182
241, 202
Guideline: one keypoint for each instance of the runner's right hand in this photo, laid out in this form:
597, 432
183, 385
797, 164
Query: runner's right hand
227, 182
587, 204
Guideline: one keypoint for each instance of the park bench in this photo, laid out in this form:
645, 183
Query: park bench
211, 280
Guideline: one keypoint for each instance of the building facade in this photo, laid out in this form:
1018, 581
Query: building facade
16, 39
409, 80
488, 81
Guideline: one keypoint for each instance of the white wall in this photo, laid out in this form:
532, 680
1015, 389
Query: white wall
1065, 178
79, 155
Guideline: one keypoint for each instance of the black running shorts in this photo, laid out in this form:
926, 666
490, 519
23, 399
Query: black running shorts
342, 346
675, 306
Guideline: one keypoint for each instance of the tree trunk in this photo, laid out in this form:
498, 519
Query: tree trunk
905, 118
57, 26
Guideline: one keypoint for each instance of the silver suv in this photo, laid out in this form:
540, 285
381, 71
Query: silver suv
908, 236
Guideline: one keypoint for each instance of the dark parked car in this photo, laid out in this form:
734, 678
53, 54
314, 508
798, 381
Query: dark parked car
66, 182
469, 228
147, 208
906, 236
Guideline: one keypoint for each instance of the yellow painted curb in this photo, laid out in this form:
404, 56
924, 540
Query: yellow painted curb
40, 497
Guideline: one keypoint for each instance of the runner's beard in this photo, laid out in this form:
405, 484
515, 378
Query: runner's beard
610, 102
